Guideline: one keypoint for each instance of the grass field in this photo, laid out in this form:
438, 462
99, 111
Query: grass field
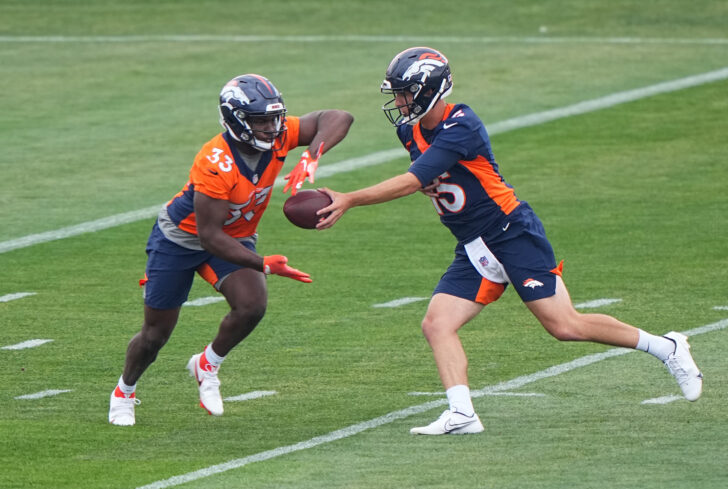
104, 105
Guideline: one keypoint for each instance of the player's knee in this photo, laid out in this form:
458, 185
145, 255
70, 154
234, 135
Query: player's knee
565, 330
247, 317
432, 328
427, 325
153, 339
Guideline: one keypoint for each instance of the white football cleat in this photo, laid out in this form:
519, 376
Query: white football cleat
681, 365
208, 383
451, 423
121, 408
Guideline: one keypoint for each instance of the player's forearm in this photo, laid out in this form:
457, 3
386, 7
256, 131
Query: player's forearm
385, 191
333, 126
230, 249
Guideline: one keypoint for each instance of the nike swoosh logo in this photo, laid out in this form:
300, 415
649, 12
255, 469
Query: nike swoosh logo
505, 228
448, 126
212, 171
450, 427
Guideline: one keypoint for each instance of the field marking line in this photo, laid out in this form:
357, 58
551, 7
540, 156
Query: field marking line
401, 302
17, 295
596, 303
391, 154
720, 308
512, 394
203, 301
41, 394
190, 38
583, 305
251, 395
25, 344
662, 400
405, 413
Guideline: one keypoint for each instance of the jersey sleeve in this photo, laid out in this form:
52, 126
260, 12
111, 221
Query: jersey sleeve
294, 125
456, 135
432, 163
212, 171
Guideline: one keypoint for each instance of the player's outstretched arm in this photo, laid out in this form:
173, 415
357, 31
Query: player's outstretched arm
385, 191
320, 130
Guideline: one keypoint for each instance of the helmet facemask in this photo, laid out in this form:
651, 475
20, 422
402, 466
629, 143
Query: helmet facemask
423, 99
245, 127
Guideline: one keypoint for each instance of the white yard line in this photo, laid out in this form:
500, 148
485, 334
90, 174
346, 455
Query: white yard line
596, 303
203, 301
404, 413
391, 154
662, 400
543, 39
511, 394
251, 395
401, 302
17, 295
25, 344
41, 394
408, 300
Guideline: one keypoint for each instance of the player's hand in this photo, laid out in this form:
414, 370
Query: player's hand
306, 167
340, 203
276, 265
430, 189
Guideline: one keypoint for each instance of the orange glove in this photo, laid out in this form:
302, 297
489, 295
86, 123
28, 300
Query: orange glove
276, 265
306, 167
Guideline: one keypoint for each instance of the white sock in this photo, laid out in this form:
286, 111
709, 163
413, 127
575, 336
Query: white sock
658, 346
213, 358
459, 398
126, 389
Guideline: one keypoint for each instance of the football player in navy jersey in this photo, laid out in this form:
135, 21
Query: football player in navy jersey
500, 240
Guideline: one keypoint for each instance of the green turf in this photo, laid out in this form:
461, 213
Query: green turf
632, 197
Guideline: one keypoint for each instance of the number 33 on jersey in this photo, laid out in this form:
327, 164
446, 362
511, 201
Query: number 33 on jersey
219, 173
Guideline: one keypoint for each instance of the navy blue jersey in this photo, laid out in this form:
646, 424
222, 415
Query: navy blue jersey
473, 198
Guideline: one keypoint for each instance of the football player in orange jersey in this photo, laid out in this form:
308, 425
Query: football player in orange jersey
209, 228
501, 241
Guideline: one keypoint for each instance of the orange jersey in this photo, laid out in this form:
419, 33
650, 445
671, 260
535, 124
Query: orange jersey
219, 172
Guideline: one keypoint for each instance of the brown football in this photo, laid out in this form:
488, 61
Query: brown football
301, 208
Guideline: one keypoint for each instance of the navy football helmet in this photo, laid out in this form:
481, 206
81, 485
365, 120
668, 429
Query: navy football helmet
422, 72
246, 98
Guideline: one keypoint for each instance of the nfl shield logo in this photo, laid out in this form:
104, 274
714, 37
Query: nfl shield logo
483, 261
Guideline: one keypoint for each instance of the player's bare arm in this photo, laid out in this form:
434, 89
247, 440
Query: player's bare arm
211, 215
385, 191
321, 131
327, 126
